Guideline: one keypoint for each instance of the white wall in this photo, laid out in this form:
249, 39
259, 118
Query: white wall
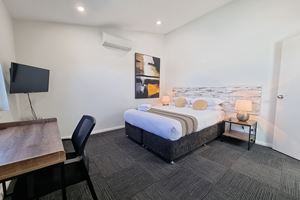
85, 77
235, 45
238, 44
7, 54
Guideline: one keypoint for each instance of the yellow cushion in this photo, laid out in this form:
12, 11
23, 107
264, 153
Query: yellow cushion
200, 105
180, 102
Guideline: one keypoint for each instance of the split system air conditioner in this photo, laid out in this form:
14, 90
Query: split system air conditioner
116, 42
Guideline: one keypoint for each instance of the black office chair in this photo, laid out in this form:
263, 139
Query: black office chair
76, 167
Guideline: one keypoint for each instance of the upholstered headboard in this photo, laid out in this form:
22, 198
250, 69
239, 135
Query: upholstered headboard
228, 94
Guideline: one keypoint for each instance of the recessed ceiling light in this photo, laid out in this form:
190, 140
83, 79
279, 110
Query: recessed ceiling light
158, 22
80, 8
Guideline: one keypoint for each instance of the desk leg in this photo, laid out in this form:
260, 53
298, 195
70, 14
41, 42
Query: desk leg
255, 133
63, 186
249, 140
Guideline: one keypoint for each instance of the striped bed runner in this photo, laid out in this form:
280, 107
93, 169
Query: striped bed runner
188, 123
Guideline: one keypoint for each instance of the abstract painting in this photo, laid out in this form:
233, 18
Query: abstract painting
147, 76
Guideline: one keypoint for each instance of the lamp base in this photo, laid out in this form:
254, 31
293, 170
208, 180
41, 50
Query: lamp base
243, 117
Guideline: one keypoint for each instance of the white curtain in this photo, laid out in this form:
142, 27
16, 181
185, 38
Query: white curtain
3, 96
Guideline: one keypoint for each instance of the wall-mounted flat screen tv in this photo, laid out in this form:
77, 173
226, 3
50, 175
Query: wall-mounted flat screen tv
28, 79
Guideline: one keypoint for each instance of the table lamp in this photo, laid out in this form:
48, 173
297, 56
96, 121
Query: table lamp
3, 95
166, 100
243, 107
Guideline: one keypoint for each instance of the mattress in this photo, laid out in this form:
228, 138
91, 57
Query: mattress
169, 128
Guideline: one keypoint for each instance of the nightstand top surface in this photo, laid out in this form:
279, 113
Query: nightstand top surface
236, 121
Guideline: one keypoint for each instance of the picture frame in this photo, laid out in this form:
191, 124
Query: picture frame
147, 76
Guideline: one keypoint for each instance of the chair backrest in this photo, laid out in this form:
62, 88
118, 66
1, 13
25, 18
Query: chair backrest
82, 133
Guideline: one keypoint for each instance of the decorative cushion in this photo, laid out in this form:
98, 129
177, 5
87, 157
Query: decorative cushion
200, 105
210, 100
180, 102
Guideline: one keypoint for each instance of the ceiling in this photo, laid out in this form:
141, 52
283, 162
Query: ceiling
137, 15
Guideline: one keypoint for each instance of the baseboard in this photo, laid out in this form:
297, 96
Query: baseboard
100, 131
264, 144
108, 129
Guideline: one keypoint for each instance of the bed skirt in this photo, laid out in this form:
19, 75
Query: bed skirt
172, 150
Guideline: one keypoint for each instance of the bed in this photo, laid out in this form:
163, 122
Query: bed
160, 131
168, 142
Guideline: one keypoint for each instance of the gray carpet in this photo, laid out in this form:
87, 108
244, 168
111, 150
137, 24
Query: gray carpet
121, 169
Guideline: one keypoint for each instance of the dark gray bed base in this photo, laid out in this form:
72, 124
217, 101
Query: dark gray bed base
172, 150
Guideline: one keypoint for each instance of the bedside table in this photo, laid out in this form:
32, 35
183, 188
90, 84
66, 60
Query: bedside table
249, 137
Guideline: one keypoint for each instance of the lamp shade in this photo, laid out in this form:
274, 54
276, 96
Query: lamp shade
166, 100
243, 105
3, 94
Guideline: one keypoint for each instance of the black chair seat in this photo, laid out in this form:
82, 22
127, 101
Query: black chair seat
49, 179
71, 155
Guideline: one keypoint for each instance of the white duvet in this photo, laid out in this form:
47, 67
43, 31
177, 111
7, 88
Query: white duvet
170, 128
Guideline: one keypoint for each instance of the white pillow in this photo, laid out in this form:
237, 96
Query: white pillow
144, 107
189, 100
216, 107
210, 100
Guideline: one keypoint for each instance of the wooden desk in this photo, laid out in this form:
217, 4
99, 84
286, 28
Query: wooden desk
29, 145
